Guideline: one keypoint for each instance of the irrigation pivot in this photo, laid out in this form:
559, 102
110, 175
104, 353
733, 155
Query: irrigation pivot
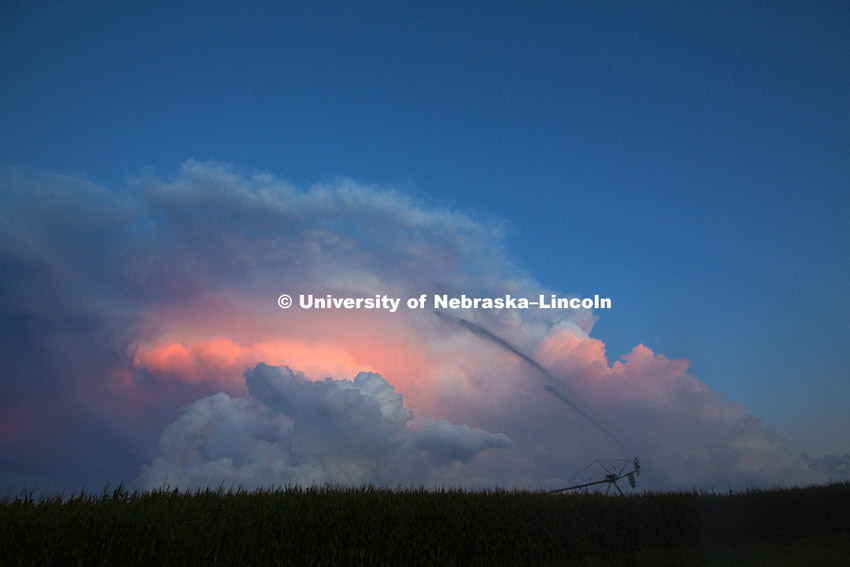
614, 471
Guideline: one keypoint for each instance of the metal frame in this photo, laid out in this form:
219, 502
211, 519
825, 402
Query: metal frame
612, 475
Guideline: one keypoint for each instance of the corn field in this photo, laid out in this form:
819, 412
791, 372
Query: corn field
377, 526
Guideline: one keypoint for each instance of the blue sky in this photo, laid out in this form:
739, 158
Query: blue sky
689, 160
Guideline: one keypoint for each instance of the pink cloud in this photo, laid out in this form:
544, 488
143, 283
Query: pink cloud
158, 307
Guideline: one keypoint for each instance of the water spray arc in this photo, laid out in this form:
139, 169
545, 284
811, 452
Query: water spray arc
485, 334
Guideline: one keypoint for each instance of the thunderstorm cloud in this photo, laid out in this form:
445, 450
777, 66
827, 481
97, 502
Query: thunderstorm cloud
140, 338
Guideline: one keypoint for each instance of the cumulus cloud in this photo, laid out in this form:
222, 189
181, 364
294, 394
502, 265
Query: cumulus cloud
119, 307
669, 417
293, 430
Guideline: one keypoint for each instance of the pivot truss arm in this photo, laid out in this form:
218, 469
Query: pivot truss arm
613, 473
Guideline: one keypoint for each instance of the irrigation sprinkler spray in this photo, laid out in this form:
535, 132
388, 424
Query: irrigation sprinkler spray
615, 470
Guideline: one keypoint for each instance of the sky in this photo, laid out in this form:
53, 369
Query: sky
168, 171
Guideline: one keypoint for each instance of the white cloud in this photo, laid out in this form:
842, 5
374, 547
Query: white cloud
293, 430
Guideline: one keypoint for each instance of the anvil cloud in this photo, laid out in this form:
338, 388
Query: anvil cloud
141, 339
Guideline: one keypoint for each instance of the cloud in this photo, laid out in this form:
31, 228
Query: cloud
669, 417
445, 443
293, 430
835, 467
129, 307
